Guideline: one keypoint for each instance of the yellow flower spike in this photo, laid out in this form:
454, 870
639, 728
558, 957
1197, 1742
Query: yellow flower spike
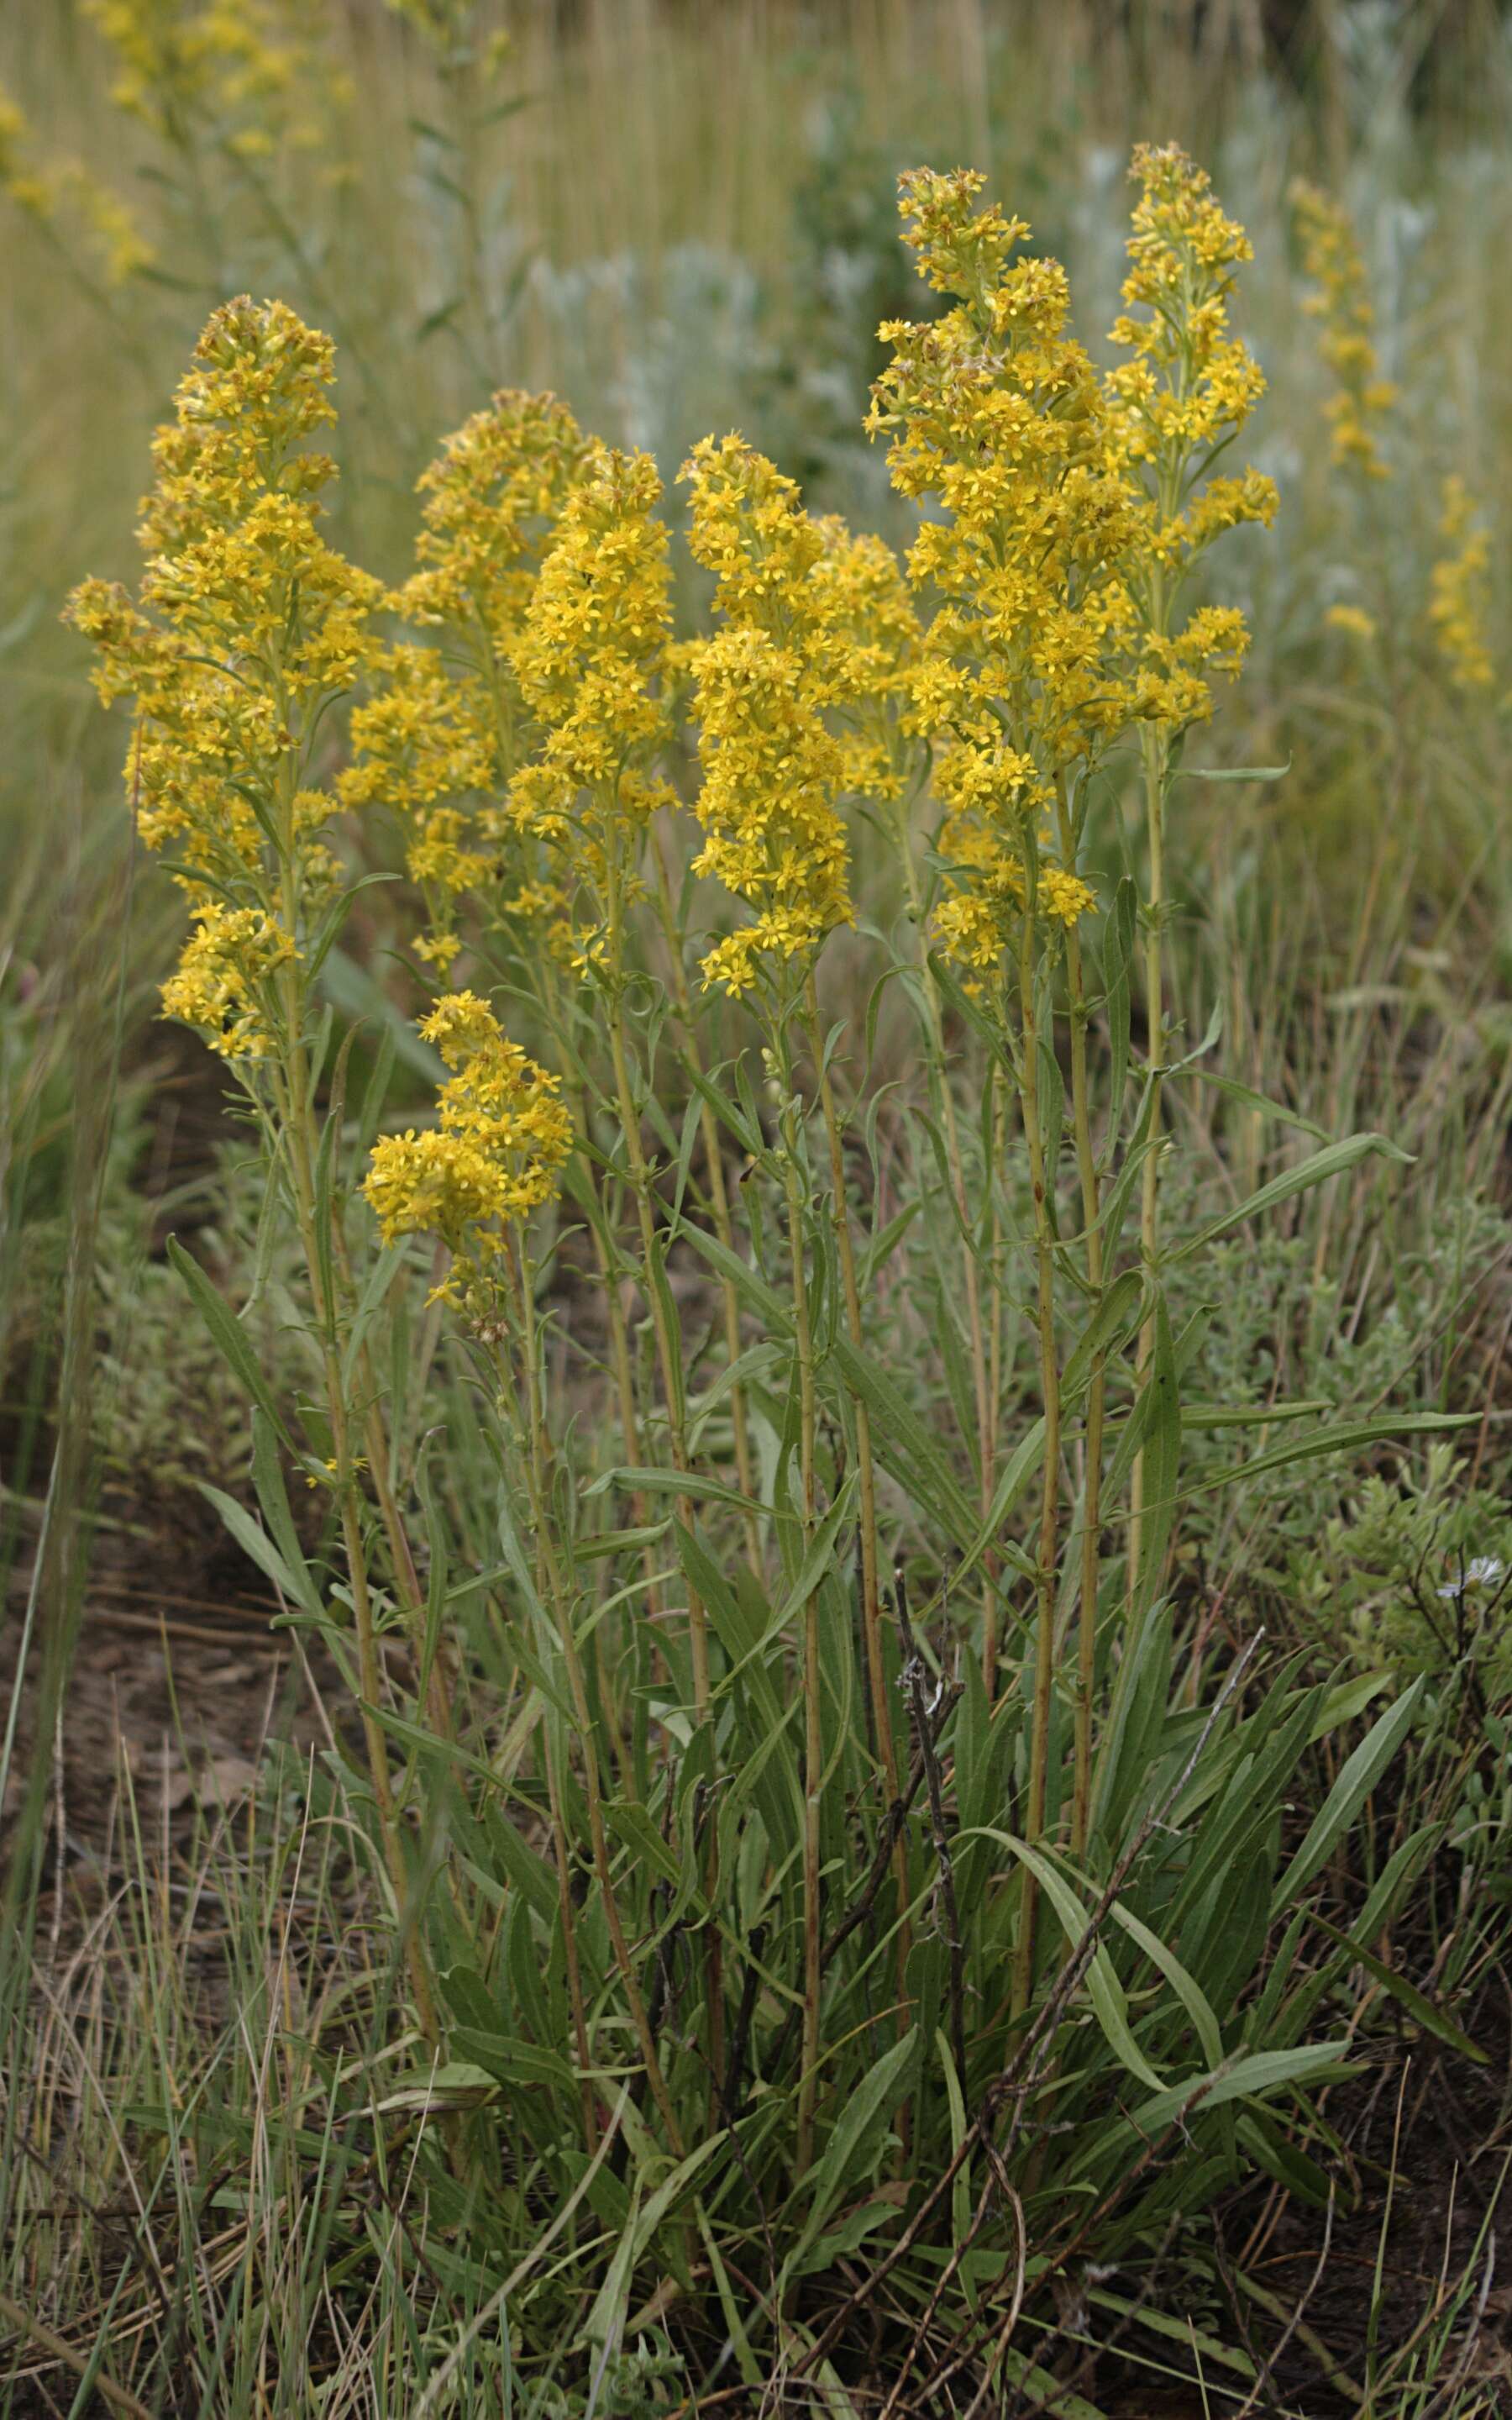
1188, 388
1340, 301
445, 729
492, 499
589, 662
994, 411
495, 1155
248, 624
786, 654
1459, 592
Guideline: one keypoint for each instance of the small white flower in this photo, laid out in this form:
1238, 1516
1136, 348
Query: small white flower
1483, 1573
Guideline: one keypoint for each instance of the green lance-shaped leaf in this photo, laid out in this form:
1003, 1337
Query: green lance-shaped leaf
1107, 1993
855, 2136
230, 1337
1331, 1161
1348, 1794
291, 1581
1360, 1773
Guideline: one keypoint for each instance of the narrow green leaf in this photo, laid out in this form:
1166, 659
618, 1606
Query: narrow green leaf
1252, 1100
1118, 960
607, 2315
1348, 1438
1331, 1161
635, 1827
1263, 2071
1114, 1321
1162, 1464
267, 1478
642, 1478
855, 2135
1233, 772
1105, 1990
1357, 1779
255, 1543
1416, 2003
230, 1336
1187, 1989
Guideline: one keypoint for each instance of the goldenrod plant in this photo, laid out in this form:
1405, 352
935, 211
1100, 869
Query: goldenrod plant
801, 1831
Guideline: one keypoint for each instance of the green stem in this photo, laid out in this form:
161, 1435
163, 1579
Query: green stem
870, 1588
294, 1082
666, 1352
1155, 752
719, 1205
981, 1375
813, 1745
1097, 1382
677, 1435
1050, 1488
539, 1464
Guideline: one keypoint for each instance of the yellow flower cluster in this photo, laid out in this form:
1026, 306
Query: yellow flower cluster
763, 685
1331, 257
863, 598
223, 983
1190, 384
248, 624
61, 194
1185, 394
445, 728
996, 414
249, 66
1458, 592
494, 1156
588, 661
1180, 400
1352, 620
982, 912
492, 498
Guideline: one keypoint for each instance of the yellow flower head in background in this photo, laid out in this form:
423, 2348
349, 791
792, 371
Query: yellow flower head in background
247, 73
1459, 592
495, 1155
1340, 301
60, 194
1352, 620
780, 660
